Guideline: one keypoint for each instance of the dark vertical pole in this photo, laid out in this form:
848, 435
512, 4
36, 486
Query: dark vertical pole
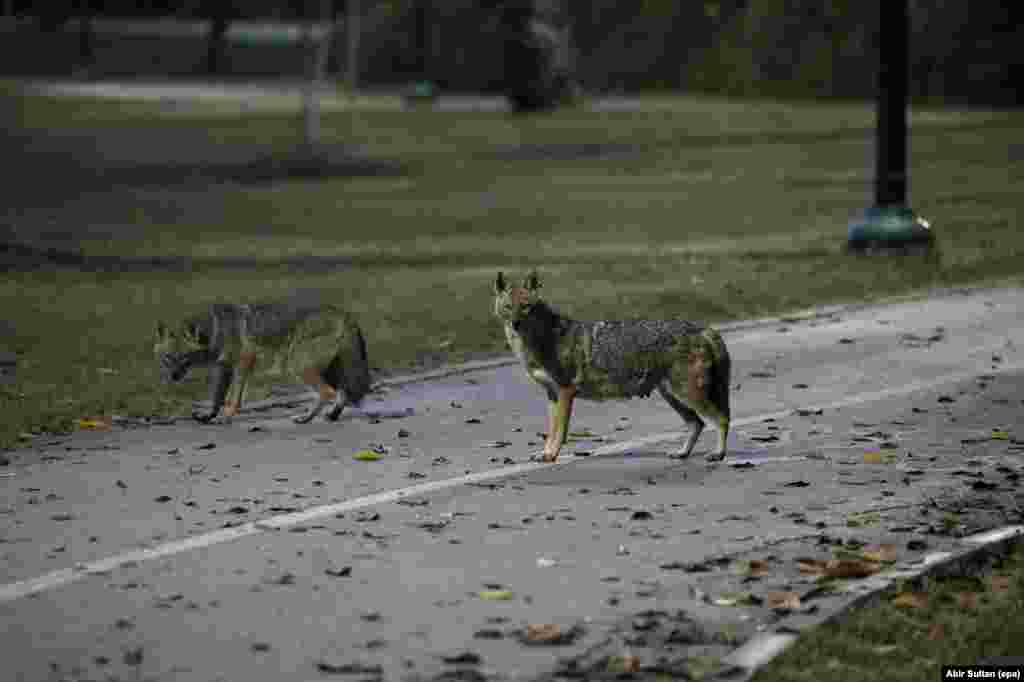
420, 10
891, 141
890, 226
86, 38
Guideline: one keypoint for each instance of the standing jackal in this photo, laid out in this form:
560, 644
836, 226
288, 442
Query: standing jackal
685, 362
321, 344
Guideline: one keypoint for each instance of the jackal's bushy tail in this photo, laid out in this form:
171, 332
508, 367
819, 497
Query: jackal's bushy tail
352, 362
720, 371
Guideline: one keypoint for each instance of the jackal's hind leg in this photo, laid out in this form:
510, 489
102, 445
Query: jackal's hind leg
339, 405
689, 416
325, 394
221, 376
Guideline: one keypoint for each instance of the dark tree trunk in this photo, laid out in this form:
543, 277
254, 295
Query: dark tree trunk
219, 14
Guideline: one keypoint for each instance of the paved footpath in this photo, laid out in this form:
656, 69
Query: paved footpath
262, 550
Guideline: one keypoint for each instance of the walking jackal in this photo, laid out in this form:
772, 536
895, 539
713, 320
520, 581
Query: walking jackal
320, 344
687, 363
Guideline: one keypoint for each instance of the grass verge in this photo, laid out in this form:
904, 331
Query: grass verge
959, 620
703, 208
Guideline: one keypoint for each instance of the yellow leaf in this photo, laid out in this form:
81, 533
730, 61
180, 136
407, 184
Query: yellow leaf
910, 600
367, 456
96, 423
873, 457
1000, 435
495, 595
782, 600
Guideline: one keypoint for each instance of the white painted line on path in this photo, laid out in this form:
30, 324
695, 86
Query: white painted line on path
59, 578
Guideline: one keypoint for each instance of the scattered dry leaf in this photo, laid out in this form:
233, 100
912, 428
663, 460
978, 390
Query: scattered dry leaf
1000, 435
937, 632
873, 457
1000, 583
811, 566
367, 456
757, 568
967, 600
880, 553
547, 632
850, 568
910, 600
623, 664
782, 600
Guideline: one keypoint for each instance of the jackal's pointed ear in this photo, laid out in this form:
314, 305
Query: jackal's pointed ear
499, 284
532, 281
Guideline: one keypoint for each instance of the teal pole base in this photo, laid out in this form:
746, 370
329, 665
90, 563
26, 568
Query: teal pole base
423, 91
895, 230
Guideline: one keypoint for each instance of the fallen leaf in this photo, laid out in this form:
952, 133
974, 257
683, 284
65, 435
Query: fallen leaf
1000, 435
343, 572
812, 566
348, 668
623, 664
543, 633
495, 595
967, 600
743, 598
96, 423
880, 553
850, 568
910, 600
937, 632
1000, 583
366, 456
873, 457
757, 568
488, 633
782, 600
133, 656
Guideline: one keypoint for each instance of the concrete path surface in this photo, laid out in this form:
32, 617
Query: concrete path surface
262, 550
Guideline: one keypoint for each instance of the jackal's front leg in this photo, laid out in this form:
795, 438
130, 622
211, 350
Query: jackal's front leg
246, 362
325, 394
560, 428
221, 375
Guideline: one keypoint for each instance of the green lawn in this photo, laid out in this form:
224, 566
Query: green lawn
704, 208
959, 620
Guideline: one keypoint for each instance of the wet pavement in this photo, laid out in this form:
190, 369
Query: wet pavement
263, 550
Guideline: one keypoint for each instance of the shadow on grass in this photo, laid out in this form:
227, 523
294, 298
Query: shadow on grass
267, 170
